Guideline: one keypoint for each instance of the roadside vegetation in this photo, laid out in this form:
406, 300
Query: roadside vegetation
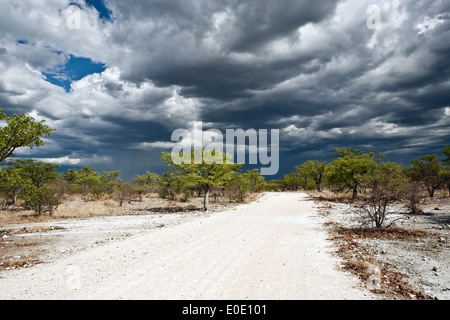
372, 183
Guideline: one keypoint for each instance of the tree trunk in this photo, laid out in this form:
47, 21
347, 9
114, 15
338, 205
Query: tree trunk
431, 192
355, 193
206, 199
355, 188
318, 181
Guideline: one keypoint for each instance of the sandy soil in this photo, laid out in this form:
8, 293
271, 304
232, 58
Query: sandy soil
273, 248
411, 261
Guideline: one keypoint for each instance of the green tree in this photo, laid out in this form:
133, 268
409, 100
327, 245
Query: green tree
315, 170
109, 180
241, 183
11, 184
257, 181
21, 130
81, 180
34, 172
207, 173
38, 181
301, 174
427, 169
446, 152
273, 185
90, 183
292, 181
110, 176
445, 172
349, 168
148, 182
45, 199
171, 184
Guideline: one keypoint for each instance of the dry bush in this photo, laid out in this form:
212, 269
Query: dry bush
413, 196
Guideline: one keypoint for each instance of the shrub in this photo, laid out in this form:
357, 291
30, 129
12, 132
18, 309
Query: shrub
45, 199
383, 186
412, 195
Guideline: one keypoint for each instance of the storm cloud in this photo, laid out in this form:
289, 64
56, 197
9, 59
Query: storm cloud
315, 70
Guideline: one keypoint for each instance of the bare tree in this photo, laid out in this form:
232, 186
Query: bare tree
383, 186
412, 195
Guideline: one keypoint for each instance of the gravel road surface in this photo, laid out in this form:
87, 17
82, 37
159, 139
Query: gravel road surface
273, 248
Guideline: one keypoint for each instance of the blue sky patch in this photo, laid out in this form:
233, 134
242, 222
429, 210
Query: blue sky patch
104, 12
75, 69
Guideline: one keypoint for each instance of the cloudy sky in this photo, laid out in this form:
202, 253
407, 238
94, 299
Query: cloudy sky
116, 78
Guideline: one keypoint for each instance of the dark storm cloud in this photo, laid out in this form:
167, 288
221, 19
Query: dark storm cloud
312, 69
256, 22
224, 80
174, 49
128, 132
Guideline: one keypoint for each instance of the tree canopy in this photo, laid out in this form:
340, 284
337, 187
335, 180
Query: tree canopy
209, 173
21, 130
427, 169
446, 152
349, 168
315, 170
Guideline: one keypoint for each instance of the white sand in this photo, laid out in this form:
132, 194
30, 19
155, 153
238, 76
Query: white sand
274, 248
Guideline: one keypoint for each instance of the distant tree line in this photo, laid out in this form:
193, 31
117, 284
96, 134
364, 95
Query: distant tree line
37, 186
374, 181
351, 169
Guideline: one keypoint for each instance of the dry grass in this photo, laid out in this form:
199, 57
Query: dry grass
77, 207
359, 247
82, 209
386, 234
22, 244
18, 262
360, 261
15, 251
38, 229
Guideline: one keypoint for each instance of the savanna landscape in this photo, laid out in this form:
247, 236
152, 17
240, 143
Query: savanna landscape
209, 151
387, 222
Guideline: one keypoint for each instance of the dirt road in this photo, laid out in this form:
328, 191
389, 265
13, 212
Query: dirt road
274, 248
